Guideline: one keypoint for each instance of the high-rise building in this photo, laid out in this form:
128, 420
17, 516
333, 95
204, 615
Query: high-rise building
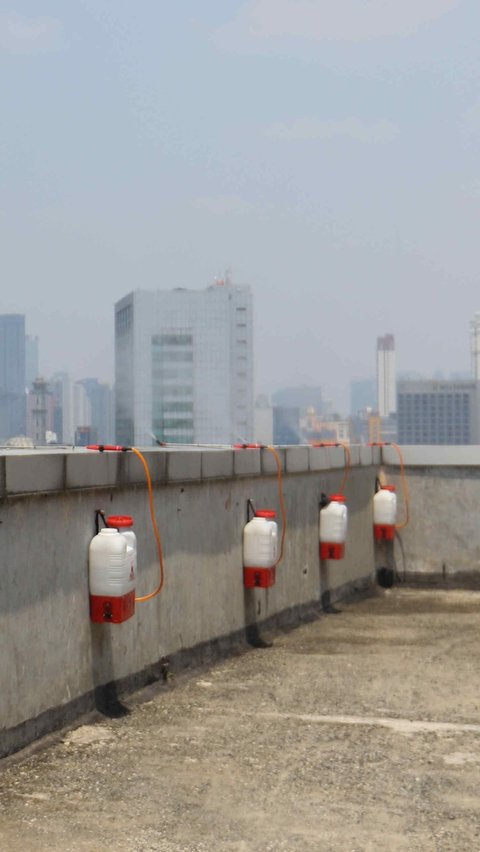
475, 345
72, 407
302, 397
31, 360
286, 425
100, 396
263, 420
438, 412
12, 376
362, 395
40, 412
386, 377
184, 365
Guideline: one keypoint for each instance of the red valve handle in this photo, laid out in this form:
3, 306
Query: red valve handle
249, 446
108, 448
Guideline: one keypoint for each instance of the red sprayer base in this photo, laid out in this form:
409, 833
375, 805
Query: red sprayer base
259, 578
331, 551
112, 610
384, 532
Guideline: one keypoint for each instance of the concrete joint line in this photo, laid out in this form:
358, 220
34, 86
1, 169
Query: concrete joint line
400, 726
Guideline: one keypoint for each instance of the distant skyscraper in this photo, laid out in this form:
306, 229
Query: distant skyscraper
72, 407
286, 425
302, 397
31, 360
40, 407
362, 395
184, 365
475, 345
100, 397
263, 420
12, 376
386, 378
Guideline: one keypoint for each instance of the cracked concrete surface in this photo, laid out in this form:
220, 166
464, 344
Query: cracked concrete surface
357, 732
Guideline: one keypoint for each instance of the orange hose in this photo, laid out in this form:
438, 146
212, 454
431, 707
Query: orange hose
282, 501
159, 588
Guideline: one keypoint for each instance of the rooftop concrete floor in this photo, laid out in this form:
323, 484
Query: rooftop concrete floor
359, 731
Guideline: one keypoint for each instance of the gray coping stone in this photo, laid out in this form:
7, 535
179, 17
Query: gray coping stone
269, 464
366, 455
318, 458
85, 470
337, 456
217, 464
297, 459
131, 470
246, 462
27, 474
428, 455
183, 465
355, 451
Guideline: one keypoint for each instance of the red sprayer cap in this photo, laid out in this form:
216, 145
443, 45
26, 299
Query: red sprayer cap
388, 488
120, 521
265, 513
337, 498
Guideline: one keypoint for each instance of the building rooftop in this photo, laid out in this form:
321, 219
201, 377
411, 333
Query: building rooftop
356, 731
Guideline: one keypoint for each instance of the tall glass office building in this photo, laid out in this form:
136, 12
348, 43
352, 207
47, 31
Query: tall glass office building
184, 366
12, 376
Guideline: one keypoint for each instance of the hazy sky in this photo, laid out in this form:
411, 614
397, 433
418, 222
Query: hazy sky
325, 150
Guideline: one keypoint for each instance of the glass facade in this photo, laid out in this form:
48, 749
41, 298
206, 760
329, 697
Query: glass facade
12, 376
437, 413
184, 366
173, 386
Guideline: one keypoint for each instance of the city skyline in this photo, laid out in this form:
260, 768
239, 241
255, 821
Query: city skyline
330, 159
439, 371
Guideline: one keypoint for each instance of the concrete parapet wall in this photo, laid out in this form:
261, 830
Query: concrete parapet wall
442, 539
54, 659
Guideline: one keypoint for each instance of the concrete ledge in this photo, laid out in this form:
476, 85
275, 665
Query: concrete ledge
131, 470
337, 457
297, 460
217, 464
91, 470
269, 464
183, 465
32, 473
318, 458
366, 456
426, 456
246, 462
39, 471
355, 453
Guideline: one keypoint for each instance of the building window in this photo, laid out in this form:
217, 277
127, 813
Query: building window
123, 320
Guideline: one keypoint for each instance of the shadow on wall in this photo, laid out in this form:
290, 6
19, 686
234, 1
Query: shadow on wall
106, 697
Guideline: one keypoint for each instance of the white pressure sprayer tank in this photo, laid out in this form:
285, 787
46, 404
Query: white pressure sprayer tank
333, 528
260, 547
124, 525
385, 513
112, 589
